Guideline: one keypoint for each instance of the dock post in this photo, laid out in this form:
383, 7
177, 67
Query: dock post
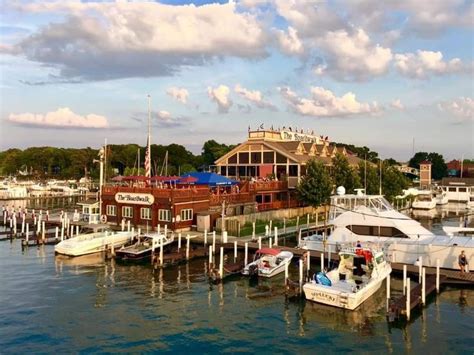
205, 237
187, 246
77, 229
72, 231
299, 238
246, 255
322, 261
259, 242
270, 242
210, 256
266, 230
43, 231
14, 224
297, 221
437, 275
408, 305
235, 251
214, 242
123, 224
420, 267
308, 263
56, 233
423, 287
128, 225
161, 251
34, 221
286, 273
276, 236
179, 241
307, 221
62, 233
284, 225
5, 217
317, 219
301, 275
253, 230
329, 256
166, 230
224, 237
404, 279
388, 290
221, 264
152, 251
27, 233
270, 228
23, 225
158, 228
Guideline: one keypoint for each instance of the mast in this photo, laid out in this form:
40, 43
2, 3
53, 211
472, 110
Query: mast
148, 154
105, 161
380, 186
138, 158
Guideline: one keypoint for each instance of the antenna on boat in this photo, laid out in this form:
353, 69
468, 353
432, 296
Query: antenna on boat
380, 184
365, 172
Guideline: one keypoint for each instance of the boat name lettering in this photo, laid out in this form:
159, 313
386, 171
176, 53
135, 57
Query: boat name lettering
137, 199
325, 296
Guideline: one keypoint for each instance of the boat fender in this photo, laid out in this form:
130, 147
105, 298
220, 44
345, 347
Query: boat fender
103, 218
322, 279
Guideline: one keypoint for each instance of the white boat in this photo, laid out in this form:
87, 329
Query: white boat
441, 197
458, 231
143, 247
470, 203
424, 200
359, 275
371, 218
268, 262
95, 242
458, 192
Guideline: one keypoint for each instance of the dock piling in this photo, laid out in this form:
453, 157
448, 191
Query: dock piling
301, 275
253, 230
187, 247
210, 256
179, 241
388, 291
299, 237
270, 242
56, 233
308, 263
286, 273
423, 287
276, 236
437, 275
128, 225
420, 267
27, 233
404, 279
161, 251
322, 261
123, 224
235, 251
214, 242
259, 242
408, 305
246, 255
221, 264
205, 237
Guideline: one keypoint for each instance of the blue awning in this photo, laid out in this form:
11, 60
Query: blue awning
211, 179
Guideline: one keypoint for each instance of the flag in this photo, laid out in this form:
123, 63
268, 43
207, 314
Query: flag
148, 159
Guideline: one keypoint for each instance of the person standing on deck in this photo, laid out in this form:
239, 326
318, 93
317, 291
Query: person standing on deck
462, 261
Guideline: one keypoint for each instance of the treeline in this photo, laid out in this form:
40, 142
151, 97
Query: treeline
50, 162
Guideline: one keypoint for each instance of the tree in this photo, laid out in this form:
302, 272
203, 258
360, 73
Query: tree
393, 181
211, 151
315, 187
343, 174
369, 178
439, 169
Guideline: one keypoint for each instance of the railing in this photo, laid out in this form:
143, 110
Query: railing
268, 185
276, 205
231, 198
191, 192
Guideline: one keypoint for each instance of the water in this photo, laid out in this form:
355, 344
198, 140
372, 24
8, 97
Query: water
51, 304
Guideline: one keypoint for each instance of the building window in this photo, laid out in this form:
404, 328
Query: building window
145, 213
111, 210
280, 159
223, 170
187, 214
256, 158
243, 158
231, 171
293, 170
127, 212
232, 159
268, 158
164, 215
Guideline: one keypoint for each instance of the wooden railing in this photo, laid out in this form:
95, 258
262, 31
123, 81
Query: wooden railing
268, 186
242, 197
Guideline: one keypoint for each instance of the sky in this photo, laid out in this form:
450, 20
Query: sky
396, 76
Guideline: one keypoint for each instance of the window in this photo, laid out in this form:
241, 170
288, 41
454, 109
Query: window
451, 189
268, 157
231, 171
293, 170
255, 158
223, 170
281, 159
376, 231
111, 210
164, 215
127, 212
145, 213
243, 158
232, 159
462, 189
187, 214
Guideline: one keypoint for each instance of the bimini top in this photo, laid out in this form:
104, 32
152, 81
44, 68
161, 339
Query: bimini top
269, 251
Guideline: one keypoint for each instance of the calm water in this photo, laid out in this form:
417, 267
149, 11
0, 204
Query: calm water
54, 304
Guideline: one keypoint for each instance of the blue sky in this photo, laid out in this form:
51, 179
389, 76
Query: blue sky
363, 72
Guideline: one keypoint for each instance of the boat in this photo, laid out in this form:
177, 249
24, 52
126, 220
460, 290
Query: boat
359, 275
424, 200
371, 218
458, 192
470, 203
268, 262
143, 247
441, 197
458, 231
95, 242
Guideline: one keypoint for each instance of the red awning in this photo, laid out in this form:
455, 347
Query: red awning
187, 180
135, 178
269, 251
117, 178
164, 178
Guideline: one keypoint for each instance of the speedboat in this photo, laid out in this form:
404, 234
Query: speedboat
371, 218
96, 242
441, 197
359, 275
425, 200
268, 262
143, 247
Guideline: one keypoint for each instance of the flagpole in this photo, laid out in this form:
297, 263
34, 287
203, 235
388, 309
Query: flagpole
148, 172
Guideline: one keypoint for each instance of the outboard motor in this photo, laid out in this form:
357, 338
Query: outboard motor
253, 270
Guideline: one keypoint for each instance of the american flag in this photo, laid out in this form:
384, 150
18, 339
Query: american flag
147, 159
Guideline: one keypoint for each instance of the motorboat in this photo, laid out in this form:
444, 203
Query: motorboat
441, 197
144, 246
470, 203
95, 242
424, 200
359, 275
371, 218
458, 192
268, 262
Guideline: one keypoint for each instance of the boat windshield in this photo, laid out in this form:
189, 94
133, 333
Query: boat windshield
344, 203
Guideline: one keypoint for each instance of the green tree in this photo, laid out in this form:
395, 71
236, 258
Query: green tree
393, 181
343, 174
439, 169
315, 187
369, 178
211, 151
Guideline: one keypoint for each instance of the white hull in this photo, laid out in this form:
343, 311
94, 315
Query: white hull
92, 243
274, 267
442, 199
424, 205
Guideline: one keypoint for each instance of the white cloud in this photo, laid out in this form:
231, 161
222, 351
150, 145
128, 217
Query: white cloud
397, 104
220, 96
179, 94
323, 103
61, 118
255, 97
422, 64
106, 40
164, 115
463, 108
289, 42
353, 55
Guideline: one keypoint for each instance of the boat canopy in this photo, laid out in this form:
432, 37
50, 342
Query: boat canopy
211, 179
269, 251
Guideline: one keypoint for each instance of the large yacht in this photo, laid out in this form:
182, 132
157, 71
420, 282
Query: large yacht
371, 218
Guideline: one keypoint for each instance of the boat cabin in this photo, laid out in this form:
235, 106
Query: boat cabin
358, 263
90, 211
